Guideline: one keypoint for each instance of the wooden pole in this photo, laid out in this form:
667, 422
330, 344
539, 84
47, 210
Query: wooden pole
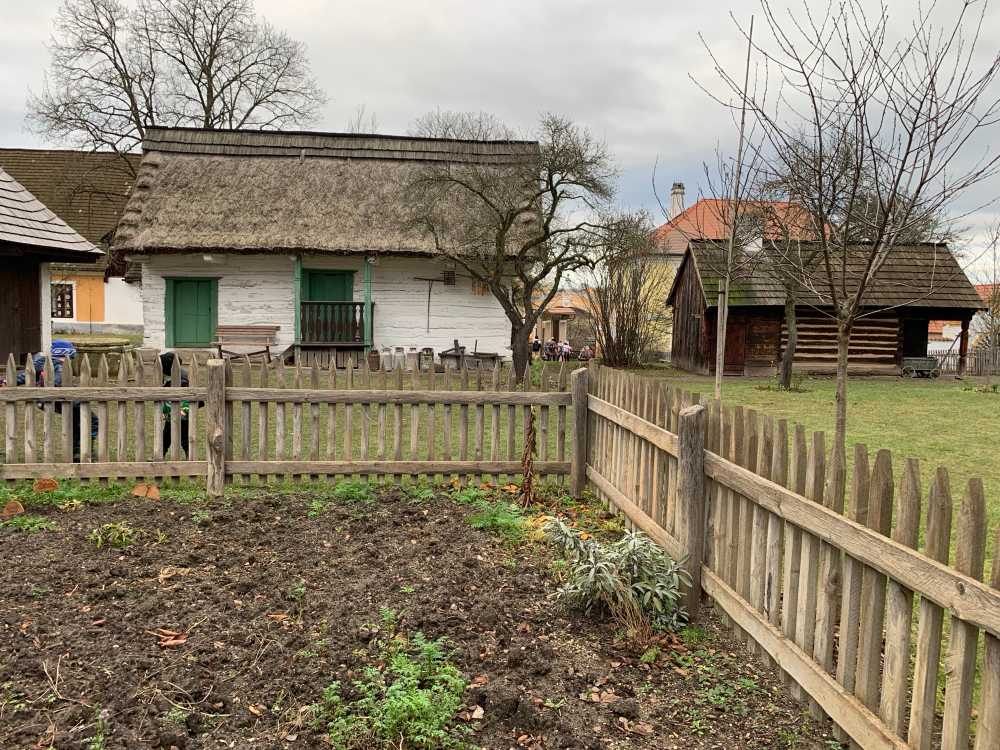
215, 423
691, 498
578, 474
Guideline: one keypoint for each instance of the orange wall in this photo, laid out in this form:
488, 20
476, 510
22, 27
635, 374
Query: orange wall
89, 301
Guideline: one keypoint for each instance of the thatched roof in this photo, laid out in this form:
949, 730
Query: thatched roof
254, 191
26, 223
922, 275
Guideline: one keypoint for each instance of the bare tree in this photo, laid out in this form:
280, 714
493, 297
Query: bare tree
521, 226
887, 115
362, 121
117, 69
625, 291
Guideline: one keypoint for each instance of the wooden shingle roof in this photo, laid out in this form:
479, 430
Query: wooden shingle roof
88, 190
26, 222
920, 275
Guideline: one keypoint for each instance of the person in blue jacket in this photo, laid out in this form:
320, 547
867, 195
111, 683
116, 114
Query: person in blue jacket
61, 351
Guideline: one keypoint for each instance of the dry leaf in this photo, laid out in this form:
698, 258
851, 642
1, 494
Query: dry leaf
11, 509
45, 484
478, 712
170, 571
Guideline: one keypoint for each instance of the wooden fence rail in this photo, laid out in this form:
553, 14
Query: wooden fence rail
870, 630
229, 421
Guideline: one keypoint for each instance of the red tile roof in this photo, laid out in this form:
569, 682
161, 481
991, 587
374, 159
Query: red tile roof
988, 292
708, 219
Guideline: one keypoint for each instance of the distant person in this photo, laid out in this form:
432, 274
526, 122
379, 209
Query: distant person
586, 353
536, 348
61, 352
167, 363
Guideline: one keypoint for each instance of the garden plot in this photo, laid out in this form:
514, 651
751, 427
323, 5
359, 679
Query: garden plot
299, 617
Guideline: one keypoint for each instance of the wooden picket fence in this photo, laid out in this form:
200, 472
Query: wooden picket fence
871, 628
866, 626
255, 422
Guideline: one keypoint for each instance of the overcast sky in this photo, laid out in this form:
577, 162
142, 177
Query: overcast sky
621, 68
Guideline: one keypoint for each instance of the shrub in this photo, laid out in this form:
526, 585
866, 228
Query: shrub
632, 578
408, 699
119, 535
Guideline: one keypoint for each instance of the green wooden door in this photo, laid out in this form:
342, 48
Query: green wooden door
191, 312
328, 286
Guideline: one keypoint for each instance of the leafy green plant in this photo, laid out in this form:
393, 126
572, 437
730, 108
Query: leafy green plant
118, 535
98, 740
28, 523
347, 493
469, 495
418, 493
408, 698
631, 578
504, 519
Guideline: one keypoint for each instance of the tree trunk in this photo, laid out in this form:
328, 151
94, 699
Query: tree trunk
788, 355
520, 347
843, 344
721, 320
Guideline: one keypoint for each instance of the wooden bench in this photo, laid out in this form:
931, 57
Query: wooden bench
253, 336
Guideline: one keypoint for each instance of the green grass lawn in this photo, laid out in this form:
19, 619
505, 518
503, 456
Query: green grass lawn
943, 422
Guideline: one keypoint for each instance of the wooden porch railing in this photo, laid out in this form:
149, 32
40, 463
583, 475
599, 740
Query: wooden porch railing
333, 323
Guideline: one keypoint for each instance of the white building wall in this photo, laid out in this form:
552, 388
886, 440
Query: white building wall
122, 302
258, 289
253, 289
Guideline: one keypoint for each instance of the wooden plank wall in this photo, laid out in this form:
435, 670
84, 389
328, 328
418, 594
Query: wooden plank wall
874, 341
869, 627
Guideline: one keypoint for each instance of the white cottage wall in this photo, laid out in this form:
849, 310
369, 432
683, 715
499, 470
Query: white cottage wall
258, 289
253, 290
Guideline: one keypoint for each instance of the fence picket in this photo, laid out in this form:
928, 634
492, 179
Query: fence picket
873, 587
349, 412
960, 680
29, 413
85, 422
805, 623
899, 608
48, 412
66, 413
988, 723
828, 599
937, 539
852, 570
779, 475
10, 415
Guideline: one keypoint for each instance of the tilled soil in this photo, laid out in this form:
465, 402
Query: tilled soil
276, 604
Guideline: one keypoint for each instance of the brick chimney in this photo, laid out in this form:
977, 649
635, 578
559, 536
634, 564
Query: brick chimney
676, 199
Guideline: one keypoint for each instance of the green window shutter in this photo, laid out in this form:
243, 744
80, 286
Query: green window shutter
168, 315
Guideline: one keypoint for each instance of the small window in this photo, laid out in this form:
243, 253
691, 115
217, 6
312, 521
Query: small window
62, 300
480, 288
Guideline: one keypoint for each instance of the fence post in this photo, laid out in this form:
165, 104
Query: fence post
215, 425
691, 497
578, 472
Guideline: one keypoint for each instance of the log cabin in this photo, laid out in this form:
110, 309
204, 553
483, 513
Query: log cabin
917, 284
31, 239
304, 234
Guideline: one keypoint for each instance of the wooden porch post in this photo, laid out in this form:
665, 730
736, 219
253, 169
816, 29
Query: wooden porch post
297, 296
963, 346
368, 303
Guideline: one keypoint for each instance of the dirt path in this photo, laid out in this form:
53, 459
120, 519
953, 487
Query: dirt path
276, 604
